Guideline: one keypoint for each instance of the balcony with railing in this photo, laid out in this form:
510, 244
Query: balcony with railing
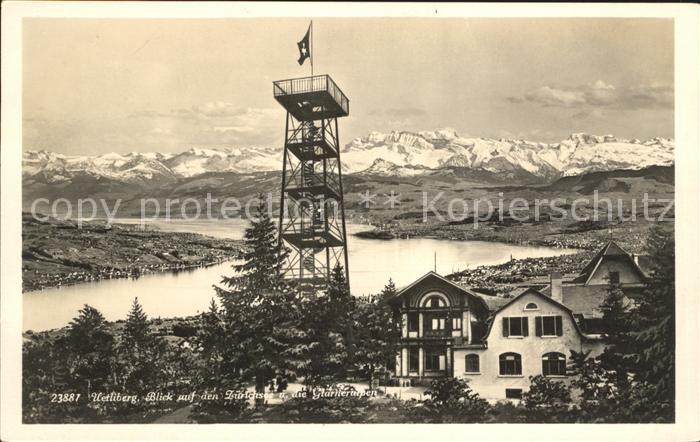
440, 334
311, 98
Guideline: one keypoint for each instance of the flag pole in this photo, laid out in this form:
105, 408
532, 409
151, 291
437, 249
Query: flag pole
311, 49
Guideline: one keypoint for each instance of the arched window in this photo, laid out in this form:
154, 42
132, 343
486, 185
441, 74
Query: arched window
510, 364
471, 363
554, 364
434, 300
531, 306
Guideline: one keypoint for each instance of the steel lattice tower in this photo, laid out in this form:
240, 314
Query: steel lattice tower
312, 187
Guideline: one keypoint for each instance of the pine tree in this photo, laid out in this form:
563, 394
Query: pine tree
215, 373
141, 353
261, 312
617, 355
388, 292
261, 270
210, 343
654, 333
136, 329
376, 332
641, 352
210, 339
89, 351
327, 321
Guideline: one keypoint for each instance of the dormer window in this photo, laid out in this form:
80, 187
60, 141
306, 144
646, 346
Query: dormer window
531, 306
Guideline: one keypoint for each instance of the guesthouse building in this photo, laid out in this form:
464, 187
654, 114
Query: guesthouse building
498, 343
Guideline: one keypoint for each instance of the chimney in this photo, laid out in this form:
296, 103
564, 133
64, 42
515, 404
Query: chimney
635, 257
555, 281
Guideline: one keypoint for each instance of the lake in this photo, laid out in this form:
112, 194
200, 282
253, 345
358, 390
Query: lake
371, 262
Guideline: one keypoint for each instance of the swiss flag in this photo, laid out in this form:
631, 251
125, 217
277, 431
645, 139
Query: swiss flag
304, 48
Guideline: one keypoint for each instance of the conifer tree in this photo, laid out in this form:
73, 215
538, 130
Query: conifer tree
141, 353
641, 352
327, 322
89, 351
136, 329
262, 257
654, 330
619, 346
261, 312
216, 373
210, 339
376, 332
388, 292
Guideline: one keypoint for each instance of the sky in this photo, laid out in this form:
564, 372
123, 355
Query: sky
93, 86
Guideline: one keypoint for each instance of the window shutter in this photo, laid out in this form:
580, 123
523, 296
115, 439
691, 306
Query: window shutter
538, 325
560, 330
505, 327
524, 322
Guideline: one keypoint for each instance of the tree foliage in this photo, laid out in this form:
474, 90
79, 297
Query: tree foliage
452, 400
376, 331
328, 327
89, 347
261, 312
141, 353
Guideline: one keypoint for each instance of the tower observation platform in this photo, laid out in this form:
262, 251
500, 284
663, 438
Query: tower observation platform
312, 215
312, 98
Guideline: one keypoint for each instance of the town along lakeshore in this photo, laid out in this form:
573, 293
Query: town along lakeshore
57, 253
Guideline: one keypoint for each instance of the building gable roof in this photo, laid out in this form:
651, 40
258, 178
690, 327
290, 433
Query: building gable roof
610, 250
441, 280
531, 291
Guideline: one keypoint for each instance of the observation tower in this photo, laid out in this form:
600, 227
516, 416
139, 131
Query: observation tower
312, 216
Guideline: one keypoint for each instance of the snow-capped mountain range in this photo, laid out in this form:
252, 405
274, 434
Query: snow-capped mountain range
380, 154
138, 167
399, 153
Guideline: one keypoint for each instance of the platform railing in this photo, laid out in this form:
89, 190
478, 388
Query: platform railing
318, 83
436, 333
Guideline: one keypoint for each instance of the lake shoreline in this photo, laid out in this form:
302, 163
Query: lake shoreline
86, 277
60, 253
443, 235
165, 291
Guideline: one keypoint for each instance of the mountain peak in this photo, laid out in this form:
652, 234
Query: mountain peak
442, 148
445, 133
382, 167
586, 138
397, 153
